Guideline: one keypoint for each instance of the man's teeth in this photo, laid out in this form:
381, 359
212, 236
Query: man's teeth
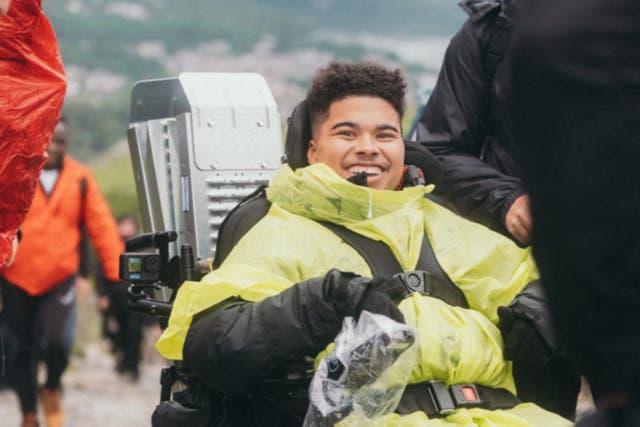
369, 170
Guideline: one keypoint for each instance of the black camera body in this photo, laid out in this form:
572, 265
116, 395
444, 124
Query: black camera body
140, 267
147, 267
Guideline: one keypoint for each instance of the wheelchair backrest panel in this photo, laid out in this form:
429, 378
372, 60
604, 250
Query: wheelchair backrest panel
199, 144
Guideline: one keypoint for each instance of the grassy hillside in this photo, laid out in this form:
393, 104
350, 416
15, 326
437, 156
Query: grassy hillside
115, 179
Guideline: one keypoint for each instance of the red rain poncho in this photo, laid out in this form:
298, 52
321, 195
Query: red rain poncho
32, 87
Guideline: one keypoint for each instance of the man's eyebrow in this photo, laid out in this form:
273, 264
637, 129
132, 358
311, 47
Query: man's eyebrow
355, 125
387, 127
348, 124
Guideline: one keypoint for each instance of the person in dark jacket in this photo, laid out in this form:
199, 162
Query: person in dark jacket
462, 125
120, 324
575, 104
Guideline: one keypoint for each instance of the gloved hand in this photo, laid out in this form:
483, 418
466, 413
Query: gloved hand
231, 345
542, 370
527, 327
382, 296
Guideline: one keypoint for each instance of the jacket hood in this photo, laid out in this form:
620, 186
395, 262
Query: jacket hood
319, 193
478, 9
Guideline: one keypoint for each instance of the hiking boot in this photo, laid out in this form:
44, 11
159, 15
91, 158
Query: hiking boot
29, 420
52, 407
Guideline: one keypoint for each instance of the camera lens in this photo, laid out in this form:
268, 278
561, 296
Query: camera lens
152, 263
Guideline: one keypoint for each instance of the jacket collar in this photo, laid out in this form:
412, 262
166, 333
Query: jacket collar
319, 193
478, 9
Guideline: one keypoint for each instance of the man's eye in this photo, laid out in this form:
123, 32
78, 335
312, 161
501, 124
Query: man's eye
386, 136
346, 133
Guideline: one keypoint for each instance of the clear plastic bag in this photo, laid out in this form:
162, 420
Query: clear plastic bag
363, 378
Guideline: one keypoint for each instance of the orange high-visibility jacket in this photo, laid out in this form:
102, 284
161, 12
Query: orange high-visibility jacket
49, 249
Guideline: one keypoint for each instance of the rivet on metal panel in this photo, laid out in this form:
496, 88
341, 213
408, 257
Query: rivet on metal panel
213, 165
260, 123
210, 123
264, 165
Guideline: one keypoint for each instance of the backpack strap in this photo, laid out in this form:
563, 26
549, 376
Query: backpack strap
238, 221
83, 197
376, 253
439, 284
84, 266
429, 278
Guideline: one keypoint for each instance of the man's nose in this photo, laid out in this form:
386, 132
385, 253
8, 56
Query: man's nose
367, 145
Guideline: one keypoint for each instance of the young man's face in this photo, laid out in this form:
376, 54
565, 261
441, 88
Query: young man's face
57, 147
361, 134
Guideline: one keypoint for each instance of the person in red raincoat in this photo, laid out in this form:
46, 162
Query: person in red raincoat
32, 87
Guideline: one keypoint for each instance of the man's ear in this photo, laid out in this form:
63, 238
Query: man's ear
312, 152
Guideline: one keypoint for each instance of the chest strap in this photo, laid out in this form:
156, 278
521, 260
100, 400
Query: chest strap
437, 399
429, 278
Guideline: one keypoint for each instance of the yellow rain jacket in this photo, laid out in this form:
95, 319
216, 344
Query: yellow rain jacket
288, 246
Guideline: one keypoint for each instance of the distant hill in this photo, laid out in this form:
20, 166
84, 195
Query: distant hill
103, 34
108, 45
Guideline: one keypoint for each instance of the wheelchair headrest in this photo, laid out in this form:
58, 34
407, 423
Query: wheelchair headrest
299, 134
419, 156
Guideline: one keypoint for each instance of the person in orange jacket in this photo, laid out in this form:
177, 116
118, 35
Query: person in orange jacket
38, 289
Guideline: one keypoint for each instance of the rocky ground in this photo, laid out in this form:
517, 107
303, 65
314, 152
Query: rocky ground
94, 395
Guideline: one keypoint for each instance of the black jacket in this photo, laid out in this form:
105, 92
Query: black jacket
461, 123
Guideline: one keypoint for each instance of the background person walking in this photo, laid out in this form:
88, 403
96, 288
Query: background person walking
38, 289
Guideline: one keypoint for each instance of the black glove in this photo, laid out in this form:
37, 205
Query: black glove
542, 370
235, 342
382, 296
527, 328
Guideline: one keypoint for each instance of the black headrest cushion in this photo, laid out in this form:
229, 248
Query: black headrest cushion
418, 155
298, 136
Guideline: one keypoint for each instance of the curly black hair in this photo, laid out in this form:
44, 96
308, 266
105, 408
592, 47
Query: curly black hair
339, 80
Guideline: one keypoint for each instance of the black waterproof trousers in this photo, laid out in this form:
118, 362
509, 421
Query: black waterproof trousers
43, 327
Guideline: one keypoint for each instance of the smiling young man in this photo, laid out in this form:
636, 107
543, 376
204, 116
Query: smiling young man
282, 293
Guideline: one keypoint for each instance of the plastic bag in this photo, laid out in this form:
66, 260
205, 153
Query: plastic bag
363, 378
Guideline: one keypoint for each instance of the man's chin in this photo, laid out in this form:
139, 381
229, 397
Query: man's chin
49, 166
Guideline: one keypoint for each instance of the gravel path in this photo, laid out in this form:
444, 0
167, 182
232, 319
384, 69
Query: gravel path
95, 396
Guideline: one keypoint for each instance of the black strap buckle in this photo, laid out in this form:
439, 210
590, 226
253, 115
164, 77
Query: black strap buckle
447, 399
416, 281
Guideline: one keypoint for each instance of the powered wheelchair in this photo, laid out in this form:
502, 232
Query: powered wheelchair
203, 147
